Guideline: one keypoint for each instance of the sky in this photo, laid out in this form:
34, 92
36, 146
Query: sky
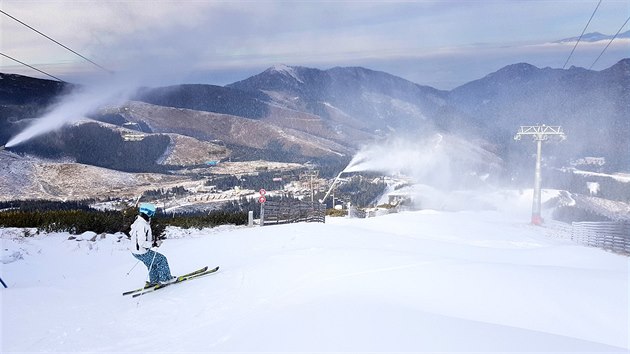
480, 280
442, 44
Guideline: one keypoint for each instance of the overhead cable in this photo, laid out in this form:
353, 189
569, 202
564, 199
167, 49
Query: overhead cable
111, 72
580, 37
32, 67
612, 39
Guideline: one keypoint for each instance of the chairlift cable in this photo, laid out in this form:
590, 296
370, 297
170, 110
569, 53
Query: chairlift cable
99, 66
580, 37
612, 39
32, 67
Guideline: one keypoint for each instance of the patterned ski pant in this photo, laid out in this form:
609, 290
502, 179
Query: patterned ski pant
160, 270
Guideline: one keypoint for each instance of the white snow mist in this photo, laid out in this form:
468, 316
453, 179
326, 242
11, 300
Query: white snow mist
74, 107
441, 161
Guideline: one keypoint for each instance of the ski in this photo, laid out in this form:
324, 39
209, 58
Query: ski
179, 280
198, 271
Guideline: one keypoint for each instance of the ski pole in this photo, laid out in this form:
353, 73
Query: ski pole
151, 266
133, 267
3, 284
149, 275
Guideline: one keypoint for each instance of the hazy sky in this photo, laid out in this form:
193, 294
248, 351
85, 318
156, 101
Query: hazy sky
438, 43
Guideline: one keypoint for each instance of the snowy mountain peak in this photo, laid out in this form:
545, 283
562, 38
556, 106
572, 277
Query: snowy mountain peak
622, 68
520, 70
286, 70
594, 37
520, 67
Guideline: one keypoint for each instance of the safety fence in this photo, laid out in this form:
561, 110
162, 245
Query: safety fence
612, 236
285, 212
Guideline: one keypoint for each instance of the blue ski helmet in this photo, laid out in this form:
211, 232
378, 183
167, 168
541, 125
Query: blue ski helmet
148, 209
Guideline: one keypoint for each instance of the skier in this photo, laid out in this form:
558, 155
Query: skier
141, 243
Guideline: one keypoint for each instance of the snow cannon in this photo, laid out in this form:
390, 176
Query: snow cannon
1, 147
321, 201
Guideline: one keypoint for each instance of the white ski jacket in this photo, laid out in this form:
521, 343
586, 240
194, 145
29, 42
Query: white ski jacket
141, 236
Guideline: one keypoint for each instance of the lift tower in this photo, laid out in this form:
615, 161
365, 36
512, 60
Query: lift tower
539, 133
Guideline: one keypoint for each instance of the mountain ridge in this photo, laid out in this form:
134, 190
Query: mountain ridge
304, 113
594, 37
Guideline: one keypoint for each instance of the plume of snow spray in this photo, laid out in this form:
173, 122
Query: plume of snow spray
140, 59
440, 161
397, 156
424, 160
75, 106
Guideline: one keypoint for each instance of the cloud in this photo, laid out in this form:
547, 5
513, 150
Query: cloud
173, 38
447, 68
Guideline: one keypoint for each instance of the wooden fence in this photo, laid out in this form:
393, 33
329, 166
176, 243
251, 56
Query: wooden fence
612, 236
285, 212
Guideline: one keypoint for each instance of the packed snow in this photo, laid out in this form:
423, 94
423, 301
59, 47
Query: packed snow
465, 281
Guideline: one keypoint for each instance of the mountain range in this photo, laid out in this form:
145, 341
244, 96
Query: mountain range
594, 37
299, 114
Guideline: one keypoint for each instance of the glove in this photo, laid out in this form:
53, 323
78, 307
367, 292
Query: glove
157, 243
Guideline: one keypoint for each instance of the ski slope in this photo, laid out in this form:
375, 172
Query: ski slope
475, 281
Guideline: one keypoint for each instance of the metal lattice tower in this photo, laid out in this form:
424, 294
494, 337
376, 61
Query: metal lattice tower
309, 177
539, 133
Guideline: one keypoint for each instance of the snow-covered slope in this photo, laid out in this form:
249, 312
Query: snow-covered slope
25, 177
424, 281
32, 178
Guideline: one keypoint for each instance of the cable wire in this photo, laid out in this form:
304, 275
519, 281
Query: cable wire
612, 39
32, 67
580, 37
111, 72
